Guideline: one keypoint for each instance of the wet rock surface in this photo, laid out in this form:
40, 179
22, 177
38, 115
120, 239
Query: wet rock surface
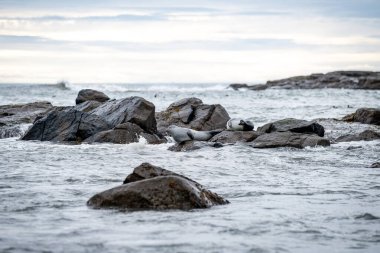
367, 135
91, 95
192, 113
193, 145
338, 79
235, 136
364, 115
289, 139
293, 125
12, 116
151, 187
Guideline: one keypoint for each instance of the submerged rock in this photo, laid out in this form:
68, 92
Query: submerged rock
235, 136
367, 135
151, 187
12, 117
289, 139
91, 95
338, 79
375, 165
293, 125
192, 113
364, 115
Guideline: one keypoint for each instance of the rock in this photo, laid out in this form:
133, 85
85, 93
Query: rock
91, 95
192, 113
13, 116
236, 86
193, 145
66, 125
289, 139
338, 79
123, 134
235, 136
135, 110
151, 187
364, 115
375, 165
293, 125
87, 106
367, 135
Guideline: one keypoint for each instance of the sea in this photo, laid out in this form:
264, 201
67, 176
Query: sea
317, 199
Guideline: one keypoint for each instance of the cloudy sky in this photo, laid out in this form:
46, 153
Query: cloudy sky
154, 41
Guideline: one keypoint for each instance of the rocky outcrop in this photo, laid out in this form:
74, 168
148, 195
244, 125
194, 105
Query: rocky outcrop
91, 95
367, 135
13, 116
151, 187
338, 79
123, 134
364, 115
375, 165
117, 121
66, 125
235, 136
289, 139
293, 125
193, 145
192, 113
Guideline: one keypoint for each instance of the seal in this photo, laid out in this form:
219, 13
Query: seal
181, 134
239, 125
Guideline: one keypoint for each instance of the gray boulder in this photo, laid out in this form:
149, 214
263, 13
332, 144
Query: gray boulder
289, 139
151, 187
367, 135
66, 125
12, 117
87, 106
364, 115
91, 95
235, 136
192, 113
123, 134
135, 110
293, 125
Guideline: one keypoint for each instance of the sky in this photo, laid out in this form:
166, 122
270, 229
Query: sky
177, 41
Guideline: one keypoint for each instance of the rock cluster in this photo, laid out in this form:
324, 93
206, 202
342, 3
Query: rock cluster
152, 187
338, 79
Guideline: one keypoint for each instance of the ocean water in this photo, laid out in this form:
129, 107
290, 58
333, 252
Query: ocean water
282, 200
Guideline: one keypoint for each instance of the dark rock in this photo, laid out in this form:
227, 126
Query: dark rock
337, 79
364, 115
367, 135
192, 113
193, 145
375, 165
235, 136
151, 187
91, 95
289, 139
66, 125
135, 110
293, 125
12, 116
237, 86
123, 134
354, 147
366, 216
87, 106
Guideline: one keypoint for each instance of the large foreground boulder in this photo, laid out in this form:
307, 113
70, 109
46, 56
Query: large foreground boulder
91, 95
293, 125
289, 139
151, 187
192, 113
13, 116
66, 125
364, 115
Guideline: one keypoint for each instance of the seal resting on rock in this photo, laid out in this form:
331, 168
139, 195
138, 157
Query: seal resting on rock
181, 134
240, 125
